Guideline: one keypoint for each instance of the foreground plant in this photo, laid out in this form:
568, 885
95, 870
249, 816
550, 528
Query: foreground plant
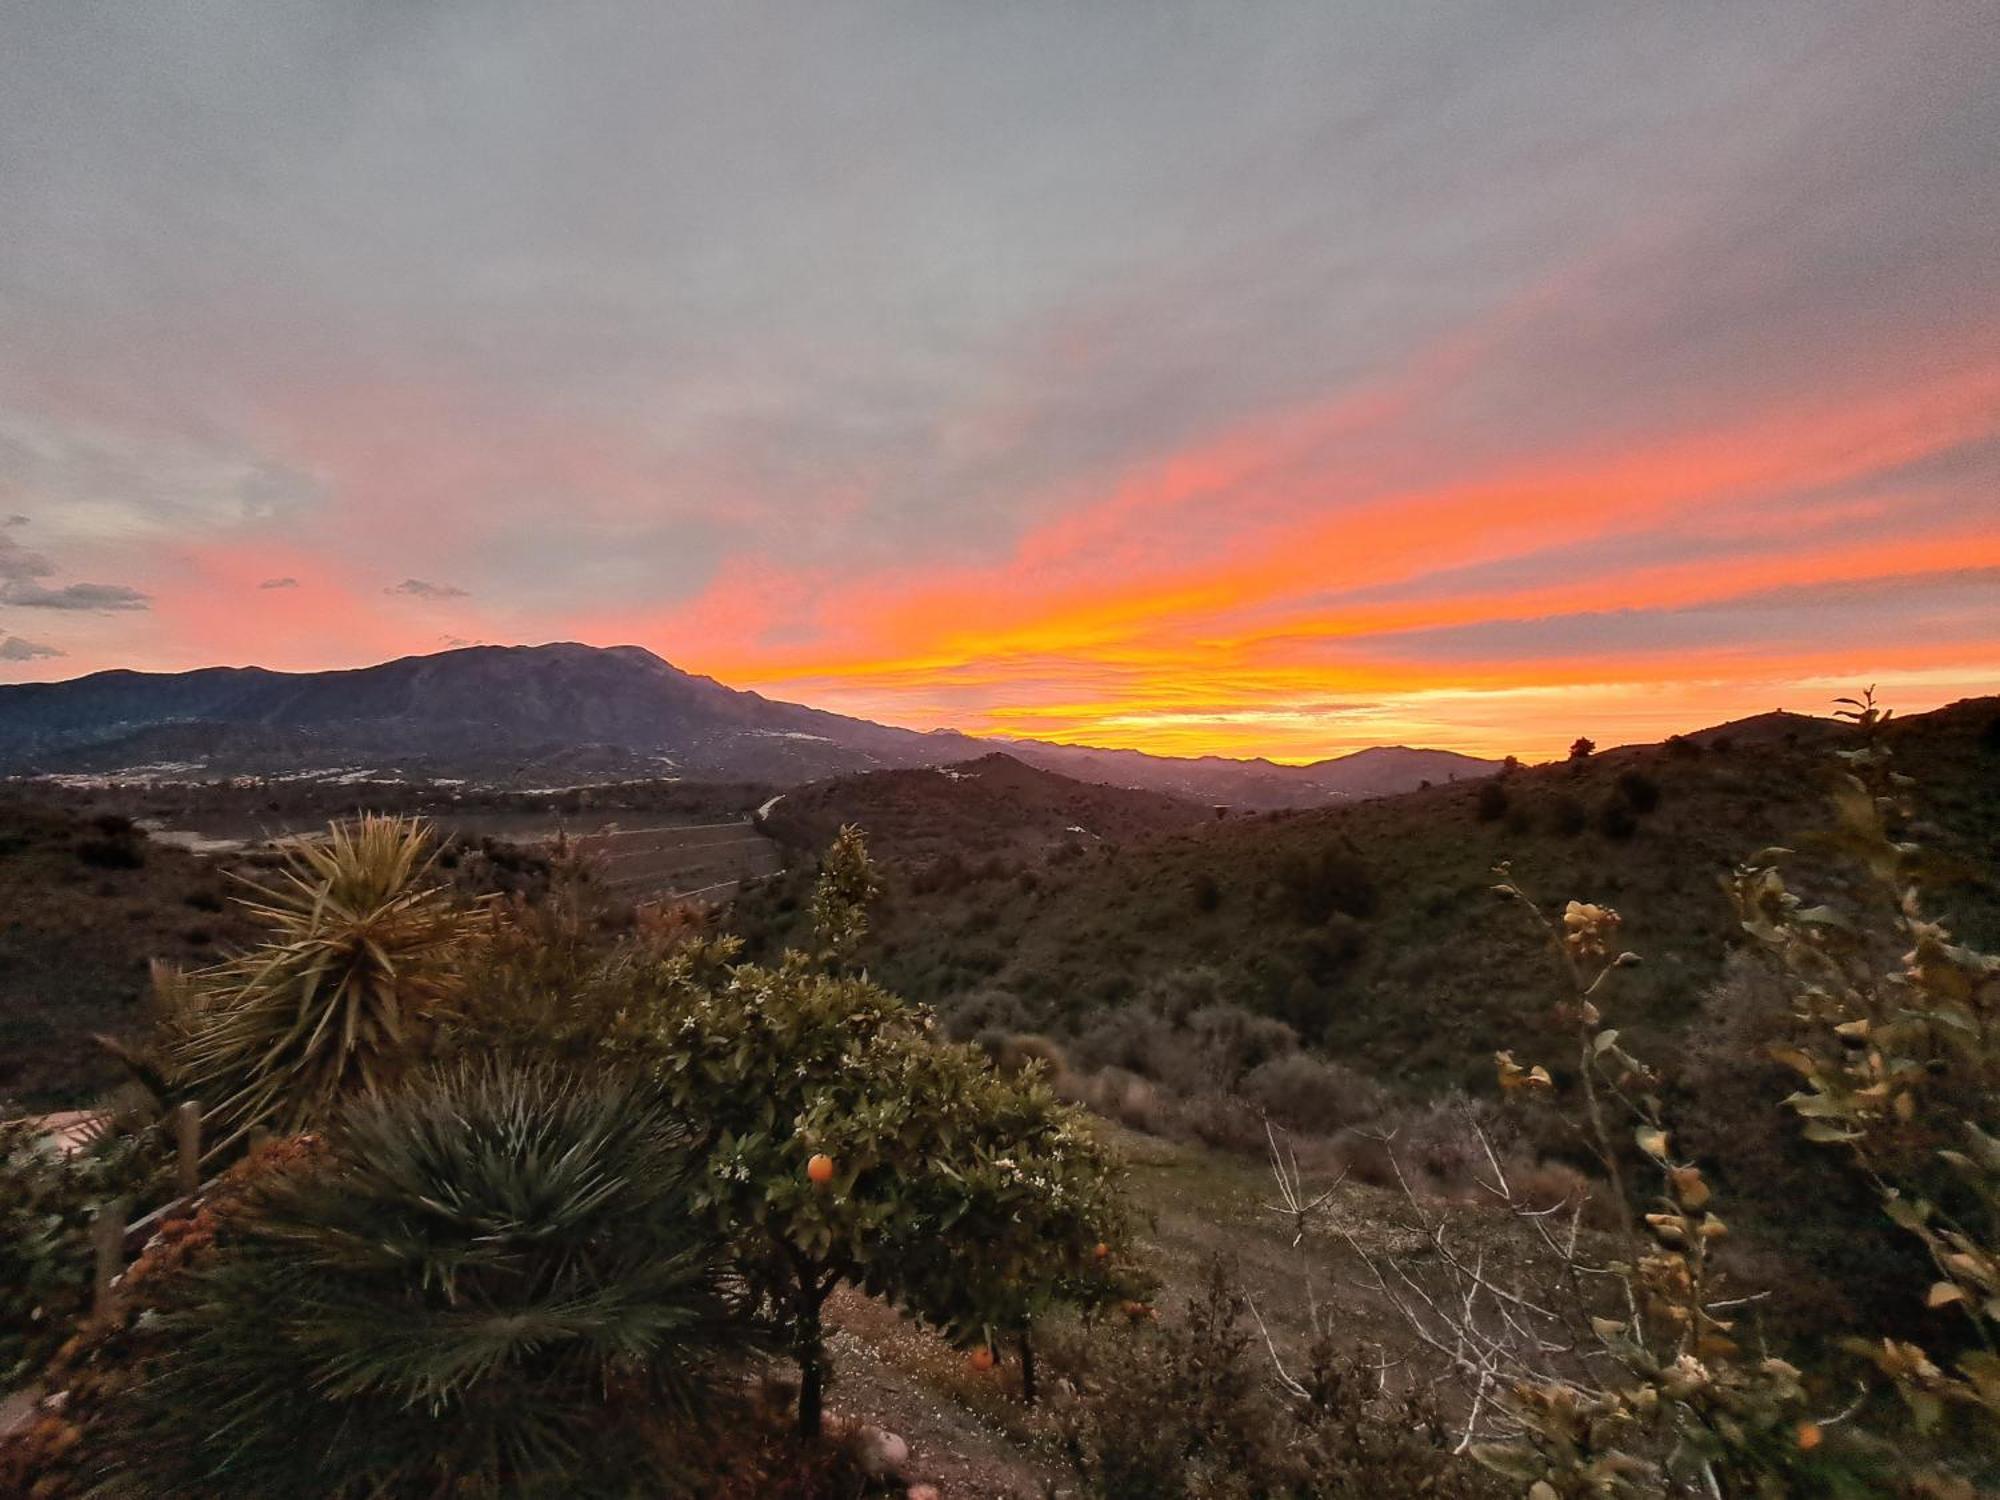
48, 1199
493, 1283
851, 1145
357, 966
1624, 1371
1180, 1410
1899, 1050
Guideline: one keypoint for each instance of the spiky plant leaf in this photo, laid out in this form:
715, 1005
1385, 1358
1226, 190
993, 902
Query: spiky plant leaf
359, 960
490, 1276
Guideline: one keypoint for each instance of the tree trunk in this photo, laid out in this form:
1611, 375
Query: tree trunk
1027, 1368
806, 1349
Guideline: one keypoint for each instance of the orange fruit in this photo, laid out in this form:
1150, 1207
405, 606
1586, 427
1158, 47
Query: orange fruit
1103, 1250
820, 1169
980, 1359
1809, 1436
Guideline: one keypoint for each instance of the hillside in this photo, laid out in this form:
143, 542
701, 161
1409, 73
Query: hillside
1370, 927
1379, 771
86, 903
976, 810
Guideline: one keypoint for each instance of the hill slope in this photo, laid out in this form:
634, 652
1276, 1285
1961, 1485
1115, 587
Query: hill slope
977, 809
1371, 927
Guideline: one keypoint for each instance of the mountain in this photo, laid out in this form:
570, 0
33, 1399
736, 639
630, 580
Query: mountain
568, 711
484, 709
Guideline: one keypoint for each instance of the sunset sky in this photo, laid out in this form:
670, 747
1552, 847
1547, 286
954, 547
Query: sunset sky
1257, 378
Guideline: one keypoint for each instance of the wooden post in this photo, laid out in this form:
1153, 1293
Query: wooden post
107, 1237
187, 1148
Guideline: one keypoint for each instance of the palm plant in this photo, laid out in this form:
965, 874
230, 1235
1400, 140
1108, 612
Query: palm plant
359, 959
492, 1284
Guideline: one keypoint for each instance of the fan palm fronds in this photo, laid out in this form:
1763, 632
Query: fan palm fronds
494, 1284
359, 960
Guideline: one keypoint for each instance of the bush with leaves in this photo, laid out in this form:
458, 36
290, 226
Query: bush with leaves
491, 1283
1625, 1374
1621, 1373
970, 1198
1898, 1045
339, 999
48, 1199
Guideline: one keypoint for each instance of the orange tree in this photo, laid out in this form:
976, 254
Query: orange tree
969, 1199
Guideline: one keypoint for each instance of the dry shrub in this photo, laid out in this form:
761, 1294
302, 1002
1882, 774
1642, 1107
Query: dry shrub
1221, 1120
1187, 1408
1117, 1095
1303, 1092
1366, 1158
1014, 1052
1556, 1184
1439, 1142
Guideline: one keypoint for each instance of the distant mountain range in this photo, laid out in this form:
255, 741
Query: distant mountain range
567, 712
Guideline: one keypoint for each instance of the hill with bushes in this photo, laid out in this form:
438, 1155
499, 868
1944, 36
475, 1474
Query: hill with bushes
1370, 928
978, 810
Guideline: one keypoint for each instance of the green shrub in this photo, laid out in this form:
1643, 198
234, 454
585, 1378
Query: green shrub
1615, 820
1640, 791
971, 1199
124, 850
1333, 880
1492, 804
493, 1284
48, 1199
1568, 817
1204, 892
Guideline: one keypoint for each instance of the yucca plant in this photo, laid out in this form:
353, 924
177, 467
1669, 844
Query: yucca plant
491, 1284
359, 960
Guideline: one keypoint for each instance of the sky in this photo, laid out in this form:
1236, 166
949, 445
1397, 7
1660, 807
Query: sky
1248, 379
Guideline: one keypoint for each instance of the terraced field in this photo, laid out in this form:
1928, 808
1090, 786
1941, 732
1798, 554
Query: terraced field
668, 861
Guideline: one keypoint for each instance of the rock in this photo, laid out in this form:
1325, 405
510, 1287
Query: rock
882, 1452
922, 1492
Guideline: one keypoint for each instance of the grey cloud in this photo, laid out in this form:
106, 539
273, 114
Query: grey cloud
89, 478
959, 268
14, 648
93, 596
17, 562
14, 520
279, 583
417, 588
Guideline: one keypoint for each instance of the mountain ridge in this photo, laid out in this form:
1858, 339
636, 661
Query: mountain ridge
497, 709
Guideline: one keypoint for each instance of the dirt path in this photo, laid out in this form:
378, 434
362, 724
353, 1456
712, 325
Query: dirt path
899, 1376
